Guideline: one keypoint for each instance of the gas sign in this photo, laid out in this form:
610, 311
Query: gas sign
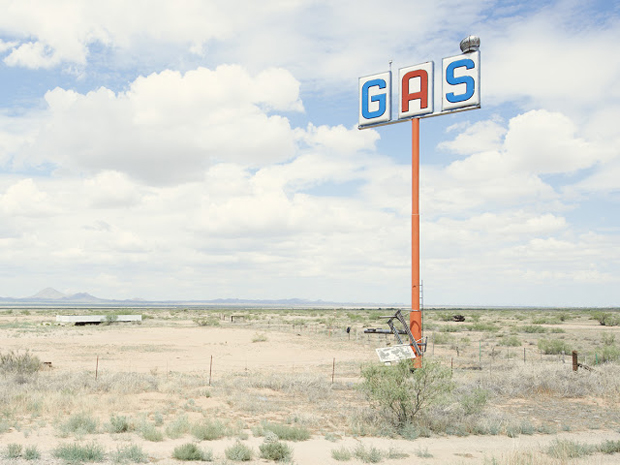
460, 89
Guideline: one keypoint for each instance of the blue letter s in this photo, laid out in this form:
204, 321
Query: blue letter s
467, 80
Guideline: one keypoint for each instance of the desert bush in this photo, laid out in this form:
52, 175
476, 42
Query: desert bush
32, 453
553, 346
532, 329
609, 353
564, 449
606, 318
273, 449
404, 392
342, 454
13, 451
79, 423
442, 338
150, 432
474, 400
19, 363
76, 453
209, 430
119, 424
129, 453
608, 339
211, 321
483, 327
178, 427
190, 451
510, 341
259, 337
609, 447
371, 455
284, 432
239, 452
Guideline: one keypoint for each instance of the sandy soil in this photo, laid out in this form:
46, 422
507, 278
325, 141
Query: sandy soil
164, 347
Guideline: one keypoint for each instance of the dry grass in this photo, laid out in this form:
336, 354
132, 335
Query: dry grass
497, 392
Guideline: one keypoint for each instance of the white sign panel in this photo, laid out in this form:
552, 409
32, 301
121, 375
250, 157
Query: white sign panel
460, 90
461, 81
415, 90
375, 98
395, 353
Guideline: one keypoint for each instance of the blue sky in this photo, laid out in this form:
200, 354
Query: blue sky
209, 149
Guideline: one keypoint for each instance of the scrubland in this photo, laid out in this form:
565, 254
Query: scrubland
188, 385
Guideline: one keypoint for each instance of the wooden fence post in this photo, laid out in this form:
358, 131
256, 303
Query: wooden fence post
575, 361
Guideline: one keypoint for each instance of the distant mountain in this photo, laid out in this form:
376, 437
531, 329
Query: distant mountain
47, 294
52, 297
50, 294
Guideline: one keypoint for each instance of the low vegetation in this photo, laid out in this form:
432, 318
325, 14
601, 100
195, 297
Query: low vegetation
403, 392
497, 373
239, 452
191, 452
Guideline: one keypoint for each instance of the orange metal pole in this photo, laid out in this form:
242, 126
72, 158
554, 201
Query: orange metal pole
415, 317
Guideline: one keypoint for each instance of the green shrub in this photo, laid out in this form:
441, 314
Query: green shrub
483, 327
151, 433
553, 346
510, 341
13, 451
178, 427
609, 447
372, 455
79, 423
533, 329
284, 432
259, 337
272, 449
608, 339
129, 453
17, 363
190, 451
564, 449
239, 452
609, 353
119, 424
209, 430
606, 318
474, 401
211, 321
342, 454
32, 453
402, 391
442, 338
80, 453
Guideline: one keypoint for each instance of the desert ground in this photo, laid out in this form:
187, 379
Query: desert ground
224, 379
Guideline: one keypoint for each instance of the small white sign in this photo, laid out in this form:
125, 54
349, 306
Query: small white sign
395, 353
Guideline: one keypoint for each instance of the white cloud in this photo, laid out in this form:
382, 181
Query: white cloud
169, 127
33, 55
4, 46
24, 198
482, 136
319, 39
561, 57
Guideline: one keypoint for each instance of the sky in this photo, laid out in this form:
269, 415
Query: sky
209, 149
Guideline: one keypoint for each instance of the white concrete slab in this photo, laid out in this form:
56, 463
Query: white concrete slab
94, 319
